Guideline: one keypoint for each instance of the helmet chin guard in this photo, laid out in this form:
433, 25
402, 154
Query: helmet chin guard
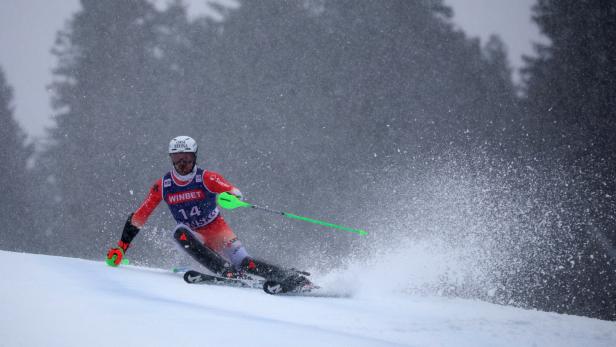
183, 144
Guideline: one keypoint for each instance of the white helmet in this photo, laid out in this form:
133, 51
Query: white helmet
183, 144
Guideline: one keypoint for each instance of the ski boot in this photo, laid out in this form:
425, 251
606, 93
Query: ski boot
232, 274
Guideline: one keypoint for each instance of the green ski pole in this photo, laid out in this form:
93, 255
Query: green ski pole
230, 202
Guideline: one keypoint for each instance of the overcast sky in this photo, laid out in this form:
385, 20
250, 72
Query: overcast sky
28, 29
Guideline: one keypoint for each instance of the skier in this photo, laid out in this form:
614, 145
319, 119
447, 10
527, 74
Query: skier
190, 192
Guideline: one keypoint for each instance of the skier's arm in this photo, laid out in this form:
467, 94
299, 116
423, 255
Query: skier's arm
215, 183
115, 254
134, 223
155, 196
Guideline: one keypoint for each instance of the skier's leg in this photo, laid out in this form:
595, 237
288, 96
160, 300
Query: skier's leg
190, 242
219, 237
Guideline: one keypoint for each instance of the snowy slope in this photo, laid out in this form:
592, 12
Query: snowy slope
54, 301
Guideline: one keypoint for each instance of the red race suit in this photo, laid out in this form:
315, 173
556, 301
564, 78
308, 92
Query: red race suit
216, 233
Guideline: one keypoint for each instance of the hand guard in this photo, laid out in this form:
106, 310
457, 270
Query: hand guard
115, 254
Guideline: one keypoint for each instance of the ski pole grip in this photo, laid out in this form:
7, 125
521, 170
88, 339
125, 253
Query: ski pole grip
229, 201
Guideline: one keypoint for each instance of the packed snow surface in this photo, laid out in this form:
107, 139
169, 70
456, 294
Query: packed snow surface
55, 301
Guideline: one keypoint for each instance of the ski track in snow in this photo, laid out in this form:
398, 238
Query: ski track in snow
55, 301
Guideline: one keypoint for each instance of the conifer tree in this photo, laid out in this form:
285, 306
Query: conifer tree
15, 210
571, 94
106, 97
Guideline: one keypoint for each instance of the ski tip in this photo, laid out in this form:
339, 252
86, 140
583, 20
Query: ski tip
277, 288
192, 277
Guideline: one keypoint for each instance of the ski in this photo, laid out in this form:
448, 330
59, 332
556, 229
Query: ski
196, 277
269, 286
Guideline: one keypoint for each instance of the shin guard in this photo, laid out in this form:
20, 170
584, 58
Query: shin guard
203, 255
